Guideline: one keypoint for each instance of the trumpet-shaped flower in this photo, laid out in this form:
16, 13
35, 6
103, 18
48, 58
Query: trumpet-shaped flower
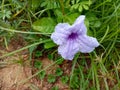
73, 38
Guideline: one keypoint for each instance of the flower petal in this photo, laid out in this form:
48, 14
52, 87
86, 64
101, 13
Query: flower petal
87, 43
62, 28
80, 19
58, 38
79, 25
61, 33
69, 49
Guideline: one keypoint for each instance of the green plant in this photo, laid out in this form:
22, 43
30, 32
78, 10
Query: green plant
64, 79
80, 5
55, 88
51, 78
41, 75
38, 53
59, 72
38, 64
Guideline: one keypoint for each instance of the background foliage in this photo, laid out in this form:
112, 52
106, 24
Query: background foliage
35, 20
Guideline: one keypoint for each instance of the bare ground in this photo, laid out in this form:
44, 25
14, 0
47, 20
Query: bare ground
16, 68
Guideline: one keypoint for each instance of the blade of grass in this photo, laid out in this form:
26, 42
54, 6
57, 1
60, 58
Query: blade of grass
37, 43
23, 32
73, 68
94, 73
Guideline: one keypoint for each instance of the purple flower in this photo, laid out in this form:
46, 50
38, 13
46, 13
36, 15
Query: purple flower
73, 39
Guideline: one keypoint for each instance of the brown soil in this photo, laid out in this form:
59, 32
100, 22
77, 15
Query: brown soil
16, 68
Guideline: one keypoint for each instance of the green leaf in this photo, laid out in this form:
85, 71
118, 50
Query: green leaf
51, 78
38, 53
93, 20
49, 44
43, 4
38, 64
77, 1
31, 49
73, 1
80, 8
75, 6
35, 4
70, 19
60, 60
50, 56
41, 75
64, 79
97, 23
86, 22
55, 88
75, 82
89, 32
85, 7
44, 25
59, 15
80, 5
5, 24
59, 72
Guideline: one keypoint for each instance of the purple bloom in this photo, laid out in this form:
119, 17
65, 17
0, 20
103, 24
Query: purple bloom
73, 39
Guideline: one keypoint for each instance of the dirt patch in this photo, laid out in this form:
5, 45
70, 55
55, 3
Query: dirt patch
11, 75
12, 69
17, 68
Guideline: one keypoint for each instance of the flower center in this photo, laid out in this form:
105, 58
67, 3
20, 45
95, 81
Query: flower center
73, 36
